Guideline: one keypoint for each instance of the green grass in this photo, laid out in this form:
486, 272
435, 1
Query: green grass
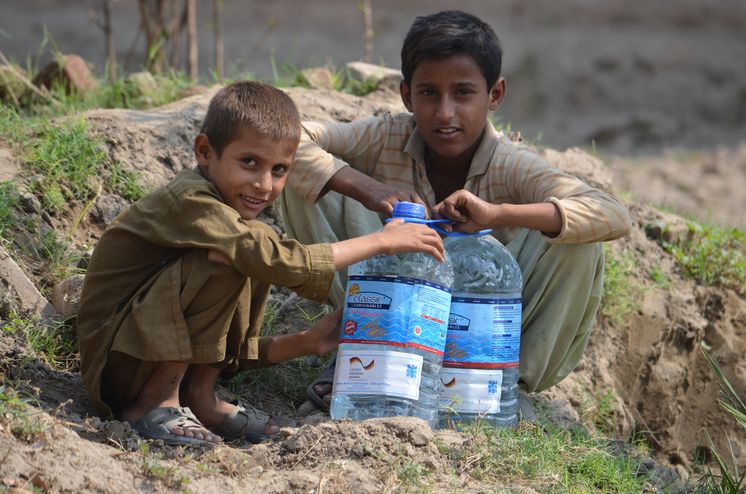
16, 414
54, 343
712, 255
622, 293
557, 461
9, 200
727, 479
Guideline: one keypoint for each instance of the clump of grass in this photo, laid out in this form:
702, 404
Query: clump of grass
598, 408
17, 415
622, 293
53, 343
555, 461
154, 468
9, 200
728, 479
712, 255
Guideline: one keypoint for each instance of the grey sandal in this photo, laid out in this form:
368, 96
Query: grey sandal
249, 423
158, 423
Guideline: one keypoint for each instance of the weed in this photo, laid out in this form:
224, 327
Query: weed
54, 343
659, 277
556, 460
712, 255
729, 480
9, 199
155, 469
16, 414
621, 292
598, 407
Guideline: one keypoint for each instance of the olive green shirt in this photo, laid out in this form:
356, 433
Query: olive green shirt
186, 214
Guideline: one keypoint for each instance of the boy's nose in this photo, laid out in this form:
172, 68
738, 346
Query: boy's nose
263, 182
446, 108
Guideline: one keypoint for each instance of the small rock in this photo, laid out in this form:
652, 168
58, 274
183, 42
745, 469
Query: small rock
143, 83
108, 207
30, 203
66, 296
363, 71
71, 71
318, 77
418, 438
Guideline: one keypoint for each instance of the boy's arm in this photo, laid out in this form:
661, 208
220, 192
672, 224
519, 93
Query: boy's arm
370, 192
322, 337
473, 214
342, 157
395, 238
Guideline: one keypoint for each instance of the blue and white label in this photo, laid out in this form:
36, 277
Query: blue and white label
378, 372
483, 331
396, 311
471, 390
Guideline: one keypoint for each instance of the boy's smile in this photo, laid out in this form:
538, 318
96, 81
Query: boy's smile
251, 171
450, 103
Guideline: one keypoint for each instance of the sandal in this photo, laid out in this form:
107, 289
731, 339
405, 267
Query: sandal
158, 423
326, 377
249, 423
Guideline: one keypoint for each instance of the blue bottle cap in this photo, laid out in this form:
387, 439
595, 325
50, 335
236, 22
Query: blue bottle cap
408, 210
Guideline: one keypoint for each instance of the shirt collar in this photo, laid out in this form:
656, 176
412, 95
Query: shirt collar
415, 147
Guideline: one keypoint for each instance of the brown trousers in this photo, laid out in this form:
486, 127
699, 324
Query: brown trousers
193, 310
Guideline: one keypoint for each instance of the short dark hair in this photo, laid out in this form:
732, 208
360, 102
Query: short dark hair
448, 33
250, 105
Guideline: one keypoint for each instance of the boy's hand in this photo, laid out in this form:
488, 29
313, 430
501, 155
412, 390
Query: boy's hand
382, 197
398, 237
470, 213
324, 335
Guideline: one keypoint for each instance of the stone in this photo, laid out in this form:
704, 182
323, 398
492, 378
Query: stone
363, 71
143, 83
318, 77
24, 294
66, 296
71, 71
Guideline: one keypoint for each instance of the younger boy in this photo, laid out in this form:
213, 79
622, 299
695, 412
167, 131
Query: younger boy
447, 155
176, 287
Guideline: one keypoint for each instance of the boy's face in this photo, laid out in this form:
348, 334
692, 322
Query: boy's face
251, 172
450, 102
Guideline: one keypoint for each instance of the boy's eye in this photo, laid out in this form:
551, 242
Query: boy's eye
464, 91
279, 169
248, 161
427, 92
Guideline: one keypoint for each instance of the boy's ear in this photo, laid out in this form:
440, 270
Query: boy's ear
406, 95
203, 150
497, 93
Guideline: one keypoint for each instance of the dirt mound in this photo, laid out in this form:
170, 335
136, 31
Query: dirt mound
661, 387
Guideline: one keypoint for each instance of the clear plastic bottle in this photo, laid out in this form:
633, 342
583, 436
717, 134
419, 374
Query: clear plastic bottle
480, 370
393, 334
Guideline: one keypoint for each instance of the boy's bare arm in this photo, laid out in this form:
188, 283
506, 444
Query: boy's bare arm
322, 337
371, 193
473, 214
396, 237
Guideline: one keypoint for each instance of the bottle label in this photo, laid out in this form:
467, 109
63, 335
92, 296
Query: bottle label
396, 311
378, 372
471, 390
483, 332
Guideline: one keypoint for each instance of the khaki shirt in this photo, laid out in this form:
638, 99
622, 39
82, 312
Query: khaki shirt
391, 150
186, 214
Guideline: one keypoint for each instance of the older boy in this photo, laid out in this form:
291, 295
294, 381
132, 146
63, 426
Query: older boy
177, 284
447, 155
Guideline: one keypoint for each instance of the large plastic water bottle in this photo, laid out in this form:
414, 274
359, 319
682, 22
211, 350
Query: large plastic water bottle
393, 334
480, 368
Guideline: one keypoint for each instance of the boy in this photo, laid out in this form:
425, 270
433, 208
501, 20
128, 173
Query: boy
177, 285
447, 155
